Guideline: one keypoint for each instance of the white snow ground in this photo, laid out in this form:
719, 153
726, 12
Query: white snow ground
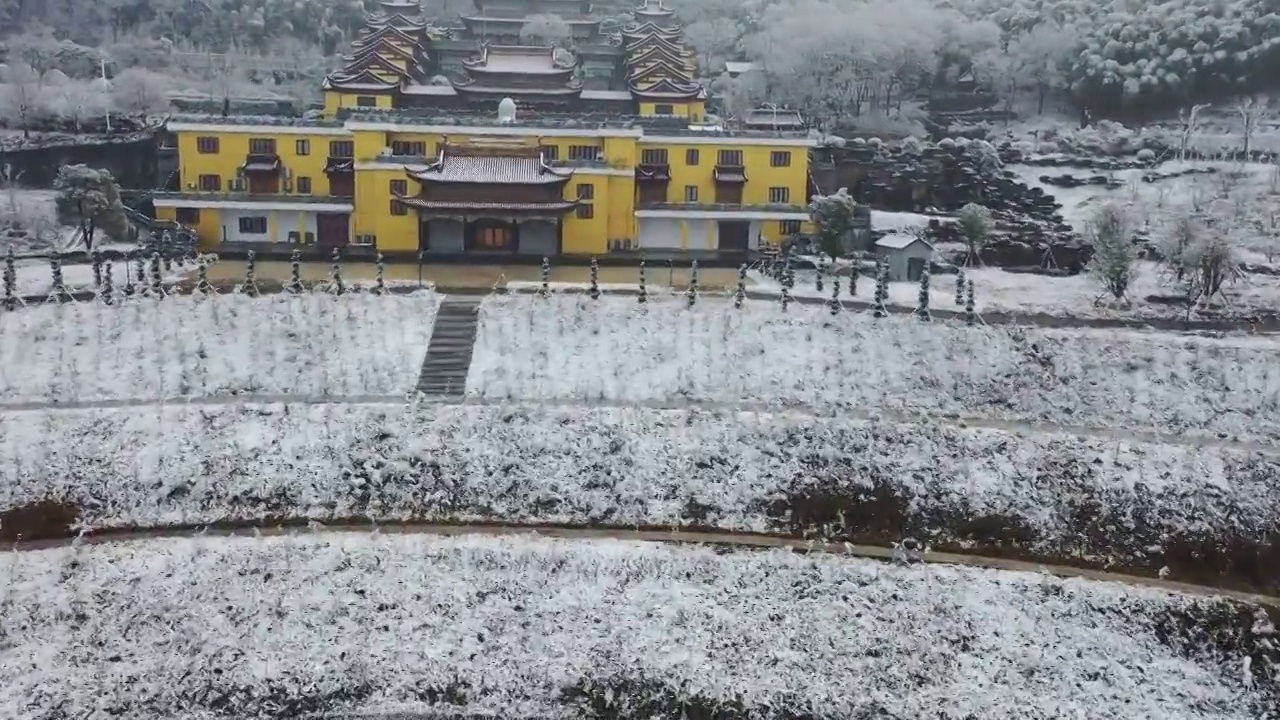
278, 626
574, 348
150, 467
189, 346
36, 277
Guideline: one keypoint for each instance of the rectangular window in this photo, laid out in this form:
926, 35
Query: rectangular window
262, 146
302, 147
584, 152
253, 226
207, 145
210, 183
400, 187
366, 101
653, 156
550, 153
691, 193
586, 212
188, 216
304, 186
691, 156
732, 158
664, 110
342, 148
779, 195
398, 208
415, 148
789, 227
780, 158
586, 191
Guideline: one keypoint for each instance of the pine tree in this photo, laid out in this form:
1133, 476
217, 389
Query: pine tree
821, 266
788, 272
595, 280
380, 283
10, 281
295, 273
129, 290
108, 292
545, 290
59, 289
834, 302
251, 274
157, 284
97, 268
960, 286
882, 288
140, 271
335, 274
741, 293
642, 295
970, 314
922, 304
692, 292
853, 278
202, 286
166, 250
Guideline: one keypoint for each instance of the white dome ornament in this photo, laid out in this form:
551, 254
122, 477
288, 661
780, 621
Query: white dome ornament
506, 111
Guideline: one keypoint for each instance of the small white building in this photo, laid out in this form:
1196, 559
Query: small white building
907, 255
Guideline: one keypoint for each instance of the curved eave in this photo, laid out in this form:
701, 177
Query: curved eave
558, 73
358, 83
473, 89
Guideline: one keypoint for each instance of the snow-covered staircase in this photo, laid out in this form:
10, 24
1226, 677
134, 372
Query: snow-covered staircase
444, 371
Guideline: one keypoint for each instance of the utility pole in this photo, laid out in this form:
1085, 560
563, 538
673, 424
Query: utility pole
107, 104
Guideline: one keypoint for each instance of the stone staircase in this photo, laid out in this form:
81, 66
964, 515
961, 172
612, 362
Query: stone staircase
444, 371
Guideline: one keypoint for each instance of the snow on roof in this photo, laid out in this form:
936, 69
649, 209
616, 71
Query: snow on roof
898, 241
518, 59
738, 68
190, 625
454, 166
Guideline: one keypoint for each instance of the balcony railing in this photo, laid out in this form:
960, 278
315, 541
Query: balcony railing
251, 197
722, 207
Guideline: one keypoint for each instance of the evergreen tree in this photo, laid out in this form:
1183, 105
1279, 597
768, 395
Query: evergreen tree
58, 291
10, 281
642, 296
380, 283
834, 302
970, 314
922, 309
545, 290
140, 271
251, 274
108, 293
882, 288
166, 250
157, 285
97, 268
960, 286
595, 280
853, 277
741, 293
129, 261
335, 274
692, 292
295, 273
820, 265
202, 283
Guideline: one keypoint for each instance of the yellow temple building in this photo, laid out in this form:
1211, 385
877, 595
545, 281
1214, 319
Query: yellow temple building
510, 149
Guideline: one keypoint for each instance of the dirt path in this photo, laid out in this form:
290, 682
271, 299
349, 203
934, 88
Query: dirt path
860, 413
743, 541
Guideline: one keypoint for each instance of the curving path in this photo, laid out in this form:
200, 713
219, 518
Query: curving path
860, 413
742, 541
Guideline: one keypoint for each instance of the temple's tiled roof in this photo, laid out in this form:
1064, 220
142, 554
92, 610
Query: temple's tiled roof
479, 206
668, 88
518, 60
492, 169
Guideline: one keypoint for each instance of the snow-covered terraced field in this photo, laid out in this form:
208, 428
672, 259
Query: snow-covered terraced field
282, 627
1052, 497
188, 346
573, 348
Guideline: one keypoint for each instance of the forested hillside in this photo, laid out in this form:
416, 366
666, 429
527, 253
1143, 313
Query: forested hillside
839, 60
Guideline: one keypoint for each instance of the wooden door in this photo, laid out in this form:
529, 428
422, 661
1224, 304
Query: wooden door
333, 229
263, 183
735, 235
729, 193
342, 185
652, 192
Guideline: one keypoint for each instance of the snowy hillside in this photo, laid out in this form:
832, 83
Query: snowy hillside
573, 348
279, 627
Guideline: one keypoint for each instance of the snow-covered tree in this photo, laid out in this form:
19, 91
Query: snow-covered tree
970, 314
545, 289
1114, 254
594, 290
692, 292
882, 288
295, 273
138, 90
740, 294
642, 293
20, 89
380, 279
1252, 112
834, 216
960, 287
545, 30
922, 302
90, 198
975, 226
336, 283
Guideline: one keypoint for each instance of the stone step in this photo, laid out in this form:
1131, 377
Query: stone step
453, 336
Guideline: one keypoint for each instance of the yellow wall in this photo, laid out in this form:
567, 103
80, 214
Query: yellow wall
395, 233
760, 174
695, 110
334, 100
587, 236
234, 146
